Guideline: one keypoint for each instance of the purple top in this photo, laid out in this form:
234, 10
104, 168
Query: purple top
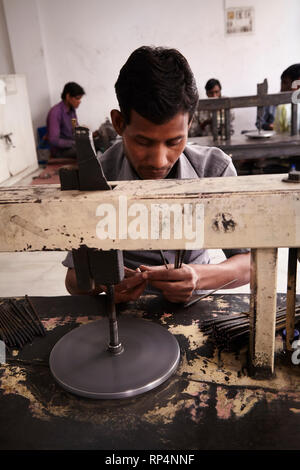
59, 127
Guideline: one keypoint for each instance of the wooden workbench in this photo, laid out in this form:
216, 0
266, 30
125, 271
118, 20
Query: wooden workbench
209, 403
240, 147
258, 212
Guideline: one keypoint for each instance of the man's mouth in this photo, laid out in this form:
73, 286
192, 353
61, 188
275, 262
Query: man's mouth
154, 174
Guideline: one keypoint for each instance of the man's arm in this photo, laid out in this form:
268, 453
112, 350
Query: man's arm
129, 289
177, 285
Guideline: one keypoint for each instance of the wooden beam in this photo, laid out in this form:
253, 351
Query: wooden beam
263, 311
245, 101
258, 211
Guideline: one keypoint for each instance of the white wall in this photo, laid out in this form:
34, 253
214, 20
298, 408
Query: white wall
6, 63
89, 41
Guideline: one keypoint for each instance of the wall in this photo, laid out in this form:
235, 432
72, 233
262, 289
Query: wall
89, 42
6, 62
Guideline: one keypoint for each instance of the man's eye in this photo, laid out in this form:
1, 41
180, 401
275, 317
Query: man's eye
143, 143
173, 143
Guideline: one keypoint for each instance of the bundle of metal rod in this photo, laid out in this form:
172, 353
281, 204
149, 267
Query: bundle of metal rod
19, 322
230, 332
179, 257
163, 258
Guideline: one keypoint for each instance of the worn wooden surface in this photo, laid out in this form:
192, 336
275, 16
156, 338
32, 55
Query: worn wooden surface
209, 403
263, 311
239, 212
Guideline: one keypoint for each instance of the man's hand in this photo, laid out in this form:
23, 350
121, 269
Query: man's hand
176, 285
132, 286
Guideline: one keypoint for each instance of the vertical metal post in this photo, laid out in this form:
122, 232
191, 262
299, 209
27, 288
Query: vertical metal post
114, 346
294, 119
227, 124
214, 126
291, 298
263, 311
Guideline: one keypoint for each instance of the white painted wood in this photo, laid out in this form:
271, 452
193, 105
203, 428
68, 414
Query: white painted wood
15, 118
263, 310
253, 213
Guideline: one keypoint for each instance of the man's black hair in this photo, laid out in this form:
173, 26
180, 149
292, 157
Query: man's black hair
73, 89
157, 83
292, 72
211, 83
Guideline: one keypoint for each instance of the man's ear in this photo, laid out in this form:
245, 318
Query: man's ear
118, 121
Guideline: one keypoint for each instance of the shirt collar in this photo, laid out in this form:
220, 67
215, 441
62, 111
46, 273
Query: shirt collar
66, 109
184, 169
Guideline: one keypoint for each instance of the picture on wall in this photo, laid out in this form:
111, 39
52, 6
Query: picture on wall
239, 20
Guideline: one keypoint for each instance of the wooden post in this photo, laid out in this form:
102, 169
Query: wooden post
227, 124
263, 285
214, 126
291, 298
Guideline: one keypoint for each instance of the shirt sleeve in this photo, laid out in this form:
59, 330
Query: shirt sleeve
68, 261
238, 251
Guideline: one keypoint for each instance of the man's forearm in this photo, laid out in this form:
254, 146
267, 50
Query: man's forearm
212, 276
72, 287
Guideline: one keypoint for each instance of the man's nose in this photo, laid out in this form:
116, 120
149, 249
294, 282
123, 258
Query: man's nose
158, 156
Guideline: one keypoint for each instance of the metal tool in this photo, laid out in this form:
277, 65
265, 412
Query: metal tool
140, 356
193, 301
163, 259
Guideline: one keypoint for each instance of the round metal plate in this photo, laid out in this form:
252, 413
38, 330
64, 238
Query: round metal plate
259, 135
81, 364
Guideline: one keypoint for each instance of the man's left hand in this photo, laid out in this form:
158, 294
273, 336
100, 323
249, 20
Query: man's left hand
176, 285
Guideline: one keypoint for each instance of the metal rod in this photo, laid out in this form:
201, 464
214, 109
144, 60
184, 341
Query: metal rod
192, 302
22, 316
115, 347
163, 258
40, 324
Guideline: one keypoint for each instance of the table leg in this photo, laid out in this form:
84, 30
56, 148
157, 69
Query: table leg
263, 311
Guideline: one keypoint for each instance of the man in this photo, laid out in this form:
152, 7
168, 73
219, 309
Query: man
278, 117
202, 122
157, 96
61, 121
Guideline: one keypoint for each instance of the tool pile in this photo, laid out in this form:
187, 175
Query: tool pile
19, 322
231, 332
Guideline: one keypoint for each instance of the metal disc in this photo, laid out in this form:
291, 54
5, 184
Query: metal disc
81, 364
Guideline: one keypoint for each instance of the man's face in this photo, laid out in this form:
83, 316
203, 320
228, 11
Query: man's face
73, 101
214, 92
152, 149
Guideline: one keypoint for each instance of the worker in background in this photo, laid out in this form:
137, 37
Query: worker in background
202, 121
61, 121
278, 118
157, 95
